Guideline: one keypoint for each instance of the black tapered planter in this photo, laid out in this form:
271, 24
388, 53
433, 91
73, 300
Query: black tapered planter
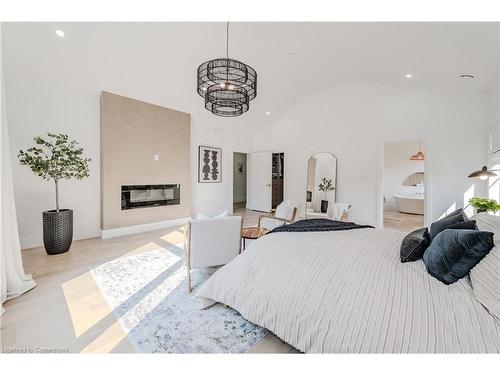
57, 231
324, 206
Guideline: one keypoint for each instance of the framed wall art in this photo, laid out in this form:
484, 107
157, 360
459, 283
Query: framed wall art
209, 164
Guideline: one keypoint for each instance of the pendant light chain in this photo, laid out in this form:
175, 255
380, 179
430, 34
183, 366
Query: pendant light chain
227, 40
227, 50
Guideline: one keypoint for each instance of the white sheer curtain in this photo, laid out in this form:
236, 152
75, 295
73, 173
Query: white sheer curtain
13, 280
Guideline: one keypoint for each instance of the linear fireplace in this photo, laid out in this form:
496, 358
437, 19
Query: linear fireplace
138, 196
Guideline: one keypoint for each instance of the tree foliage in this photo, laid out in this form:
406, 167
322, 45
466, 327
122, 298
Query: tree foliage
484, 204
56, 158
326, 185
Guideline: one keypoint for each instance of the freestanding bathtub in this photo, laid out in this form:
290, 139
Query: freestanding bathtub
410, 204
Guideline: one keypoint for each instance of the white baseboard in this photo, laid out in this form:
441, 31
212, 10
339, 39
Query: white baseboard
134, 229
31, 242
37, 241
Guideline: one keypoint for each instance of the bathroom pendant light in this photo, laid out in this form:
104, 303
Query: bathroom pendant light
227, 85
419, 155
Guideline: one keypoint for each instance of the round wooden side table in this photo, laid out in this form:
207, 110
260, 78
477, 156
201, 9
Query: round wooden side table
252, 233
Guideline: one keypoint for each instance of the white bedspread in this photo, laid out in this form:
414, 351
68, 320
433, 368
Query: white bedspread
347, 291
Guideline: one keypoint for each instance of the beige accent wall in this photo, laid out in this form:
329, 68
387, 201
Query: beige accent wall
132, 132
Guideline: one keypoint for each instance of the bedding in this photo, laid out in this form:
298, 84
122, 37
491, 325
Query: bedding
348, 292
485, 277
318, 225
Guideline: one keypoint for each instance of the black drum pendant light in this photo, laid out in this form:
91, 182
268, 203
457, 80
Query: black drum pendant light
227, 85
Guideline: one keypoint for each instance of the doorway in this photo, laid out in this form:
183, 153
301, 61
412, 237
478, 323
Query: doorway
239, 181
265, 180
403, 190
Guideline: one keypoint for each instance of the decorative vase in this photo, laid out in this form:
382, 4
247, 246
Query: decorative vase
57, 231
324, 206
479, 210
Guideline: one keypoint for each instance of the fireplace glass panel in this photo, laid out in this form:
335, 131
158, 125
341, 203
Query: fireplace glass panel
137, 196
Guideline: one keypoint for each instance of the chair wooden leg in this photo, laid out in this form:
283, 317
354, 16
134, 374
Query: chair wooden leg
189, 279
188, 256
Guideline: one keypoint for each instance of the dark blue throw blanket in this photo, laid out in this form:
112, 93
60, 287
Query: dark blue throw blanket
318, 225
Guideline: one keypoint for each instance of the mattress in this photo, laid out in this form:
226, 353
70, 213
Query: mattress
348, 292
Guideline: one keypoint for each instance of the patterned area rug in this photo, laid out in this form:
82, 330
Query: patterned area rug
148, 294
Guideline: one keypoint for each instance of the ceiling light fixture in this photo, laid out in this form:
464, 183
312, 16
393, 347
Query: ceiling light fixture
483, 173
227, 85
60, 33
419, 155
408, 75
268, 113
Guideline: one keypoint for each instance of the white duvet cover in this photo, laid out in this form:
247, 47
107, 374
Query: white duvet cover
348, 292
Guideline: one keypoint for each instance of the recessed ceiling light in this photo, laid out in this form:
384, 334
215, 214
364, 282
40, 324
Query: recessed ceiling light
60, 33
268, 113
466, 76
408, 75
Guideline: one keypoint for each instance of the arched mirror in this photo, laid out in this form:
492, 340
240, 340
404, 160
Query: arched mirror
321, 185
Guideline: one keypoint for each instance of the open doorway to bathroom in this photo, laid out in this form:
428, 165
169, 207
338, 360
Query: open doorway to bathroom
404, 175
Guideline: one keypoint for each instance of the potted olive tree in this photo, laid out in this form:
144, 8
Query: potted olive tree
56, 158
325, 186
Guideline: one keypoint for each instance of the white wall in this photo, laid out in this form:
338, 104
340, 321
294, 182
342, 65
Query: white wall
76, 112
494, 124
398, 166
213, 198
354, 121
54, 85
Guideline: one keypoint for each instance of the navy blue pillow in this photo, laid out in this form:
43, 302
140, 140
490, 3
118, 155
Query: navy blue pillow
454, 252
469, 224
414, 245
440, 225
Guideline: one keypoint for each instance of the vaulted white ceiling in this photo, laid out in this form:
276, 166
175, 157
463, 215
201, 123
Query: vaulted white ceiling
158, 61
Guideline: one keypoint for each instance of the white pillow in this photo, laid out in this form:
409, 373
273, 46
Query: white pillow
222, 214
284, 210
490, 223
485, 276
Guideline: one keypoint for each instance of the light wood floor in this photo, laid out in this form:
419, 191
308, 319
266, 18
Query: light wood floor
406, 222
67, 310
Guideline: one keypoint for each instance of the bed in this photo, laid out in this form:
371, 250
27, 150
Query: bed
348, 292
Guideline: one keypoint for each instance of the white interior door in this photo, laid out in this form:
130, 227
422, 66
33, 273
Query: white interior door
259, 179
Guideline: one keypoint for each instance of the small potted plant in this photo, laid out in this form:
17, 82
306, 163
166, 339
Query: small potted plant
325, 186
484, 204
56, 158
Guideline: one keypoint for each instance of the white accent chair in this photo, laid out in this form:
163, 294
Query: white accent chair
283, 214
212, 242
340, 211
336, 211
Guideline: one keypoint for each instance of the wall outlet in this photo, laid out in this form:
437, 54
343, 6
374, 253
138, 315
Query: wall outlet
157, 157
